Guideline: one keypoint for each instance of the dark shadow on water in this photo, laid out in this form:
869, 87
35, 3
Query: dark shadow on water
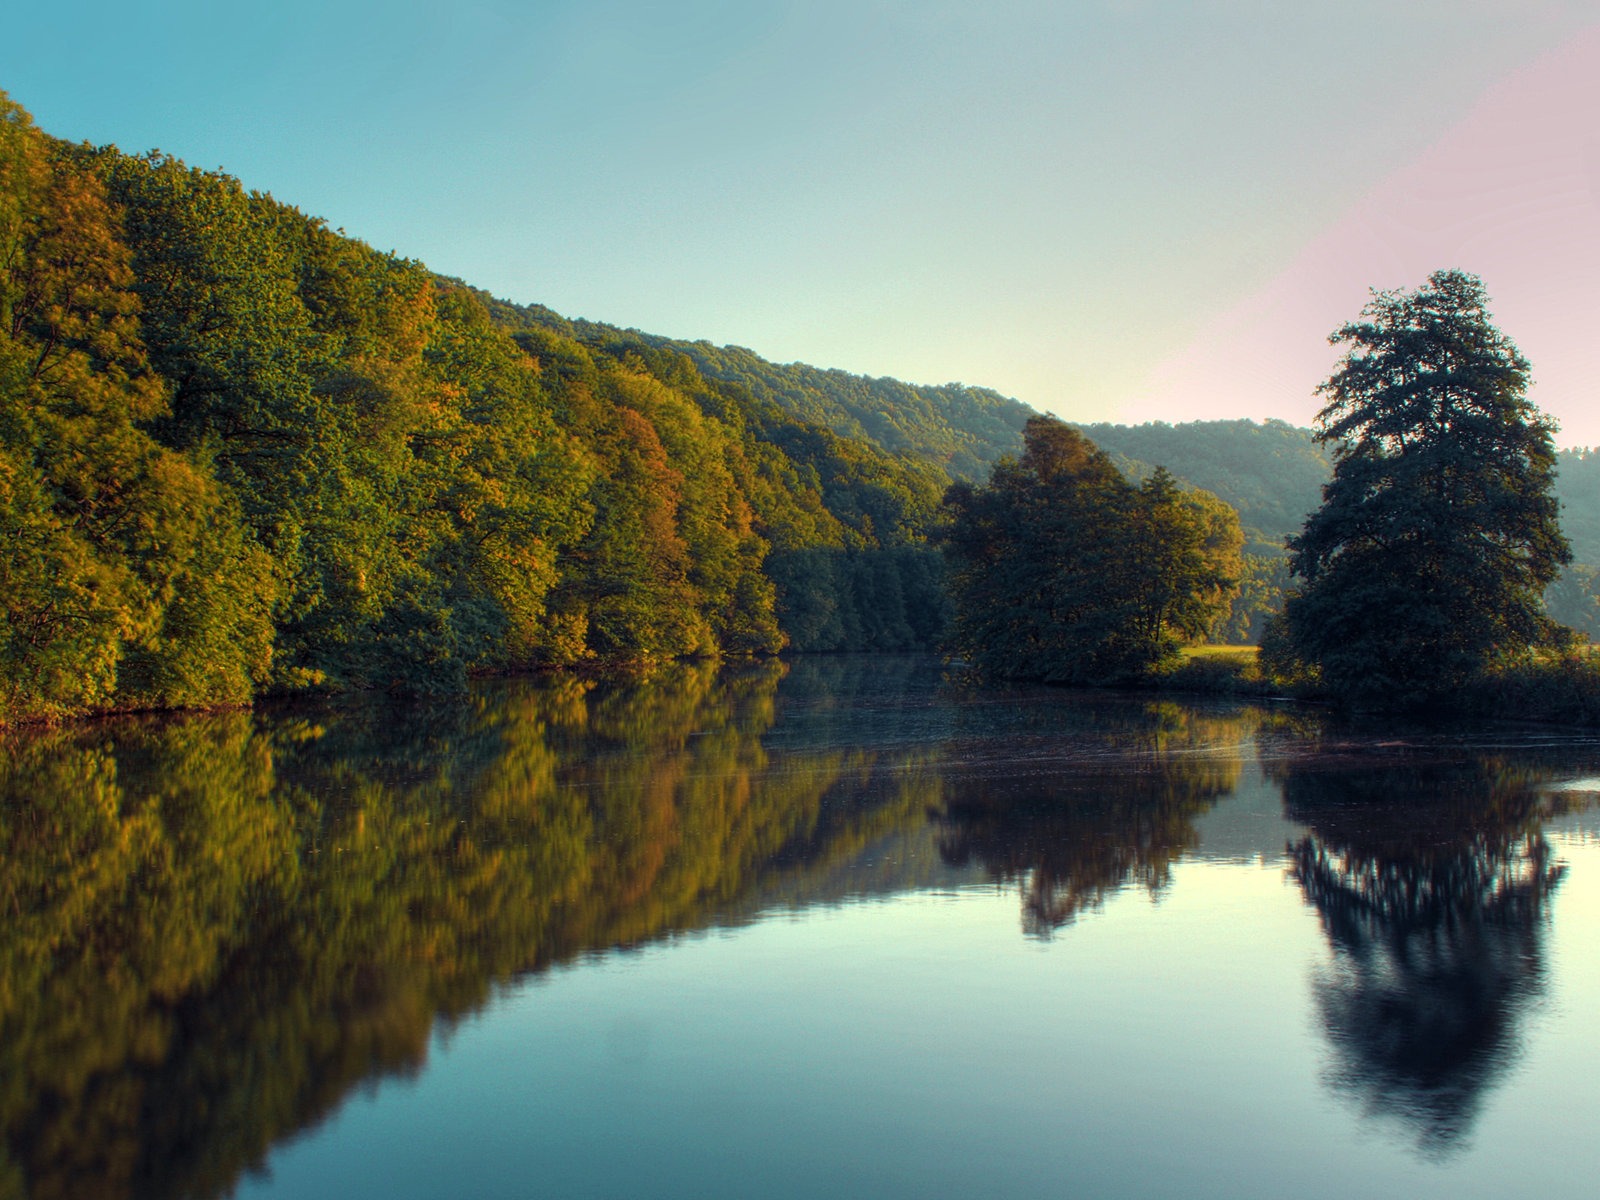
1102, 797
1430, 870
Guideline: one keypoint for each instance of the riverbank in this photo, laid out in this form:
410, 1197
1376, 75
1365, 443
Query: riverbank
1556, 689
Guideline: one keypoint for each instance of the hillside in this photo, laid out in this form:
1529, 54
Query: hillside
961, 429
1272, 472
1578, 488
241, 453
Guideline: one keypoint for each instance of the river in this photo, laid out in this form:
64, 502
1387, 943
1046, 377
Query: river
845, 927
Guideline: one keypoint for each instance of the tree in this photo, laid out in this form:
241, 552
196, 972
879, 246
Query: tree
1062, 570
1184, 562
124, 579
1438, 530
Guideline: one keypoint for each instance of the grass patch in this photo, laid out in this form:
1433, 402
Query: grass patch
1563, 689
1243, 655
1219, 670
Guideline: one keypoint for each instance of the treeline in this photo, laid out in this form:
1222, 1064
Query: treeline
241, 453
1272, 473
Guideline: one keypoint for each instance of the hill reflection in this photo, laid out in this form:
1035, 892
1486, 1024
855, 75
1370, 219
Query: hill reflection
218, 927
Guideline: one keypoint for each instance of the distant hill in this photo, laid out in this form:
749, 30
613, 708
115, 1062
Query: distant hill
242, 453
1272, 472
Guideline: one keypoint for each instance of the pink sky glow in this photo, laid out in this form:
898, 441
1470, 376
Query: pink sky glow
1510, 193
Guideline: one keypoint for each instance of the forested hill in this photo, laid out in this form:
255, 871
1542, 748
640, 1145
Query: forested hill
961, 429
241, 453
1578, 487
1271, 472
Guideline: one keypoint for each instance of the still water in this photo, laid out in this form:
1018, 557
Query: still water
842, 929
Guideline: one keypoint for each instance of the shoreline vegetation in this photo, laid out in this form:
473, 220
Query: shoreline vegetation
1554, 689
246, 457
1558, 688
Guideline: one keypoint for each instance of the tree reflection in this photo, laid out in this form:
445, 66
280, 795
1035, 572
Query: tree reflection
1431, 877
217, 927
1103, 803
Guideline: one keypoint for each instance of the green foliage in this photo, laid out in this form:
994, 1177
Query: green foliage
119, 551
786, 522
1273, 474
1578, 489
514, 484
1574, 600
1182, 561
239, 451
1561, 687
335, 469
304, 367
1064, 571
1437, 534
1264, 579
1215, 670
887, 599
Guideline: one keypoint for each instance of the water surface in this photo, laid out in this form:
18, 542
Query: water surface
845, 928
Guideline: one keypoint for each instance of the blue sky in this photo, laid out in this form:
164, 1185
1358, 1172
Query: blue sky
1111, 210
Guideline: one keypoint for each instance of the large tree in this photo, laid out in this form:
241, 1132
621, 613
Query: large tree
1064, 571
1438, 530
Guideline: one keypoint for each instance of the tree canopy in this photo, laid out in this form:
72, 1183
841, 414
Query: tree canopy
1438, 532
1062, 570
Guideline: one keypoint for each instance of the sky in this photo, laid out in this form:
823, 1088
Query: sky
1117, 210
